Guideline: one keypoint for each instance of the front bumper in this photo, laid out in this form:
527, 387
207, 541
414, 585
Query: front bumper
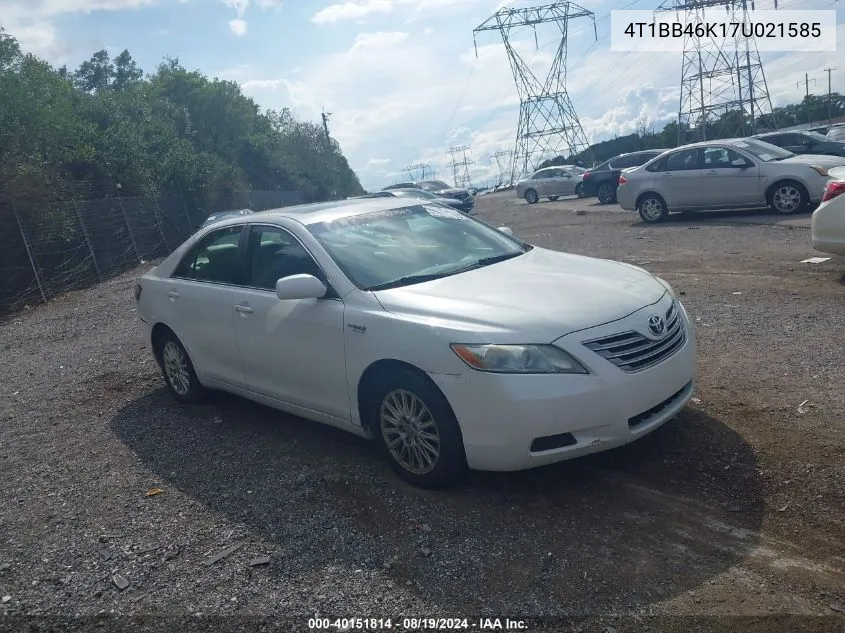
502, 415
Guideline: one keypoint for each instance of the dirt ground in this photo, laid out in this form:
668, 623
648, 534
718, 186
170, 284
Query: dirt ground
728, 518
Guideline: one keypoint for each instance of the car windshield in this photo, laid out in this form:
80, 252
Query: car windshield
414, 193
399, 247
762, 150
433, 185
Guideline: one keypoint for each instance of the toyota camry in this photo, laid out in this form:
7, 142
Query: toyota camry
450, 343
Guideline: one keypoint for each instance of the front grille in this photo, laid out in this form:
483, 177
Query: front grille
633, 352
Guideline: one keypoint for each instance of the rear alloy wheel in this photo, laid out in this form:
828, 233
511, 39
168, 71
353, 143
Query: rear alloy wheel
788, 197
531, 197
417, 431
606, 193
178, 370
652, 209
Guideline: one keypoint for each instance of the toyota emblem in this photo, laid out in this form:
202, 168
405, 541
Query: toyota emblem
657, 325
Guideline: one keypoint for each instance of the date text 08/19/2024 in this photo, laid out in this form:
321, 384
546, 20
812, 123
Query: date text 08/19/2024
416, 624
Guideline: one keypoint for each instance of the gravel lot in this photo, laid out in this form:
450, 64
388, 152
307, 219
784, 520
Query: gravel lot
728, 518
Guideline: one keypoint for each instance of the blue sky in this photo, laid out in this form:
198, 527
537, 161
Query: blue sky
400, 77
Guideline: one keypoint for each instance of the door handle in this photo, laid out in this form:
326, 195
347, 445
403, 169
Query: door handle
667, 175
243, 309
172, 294
713, 172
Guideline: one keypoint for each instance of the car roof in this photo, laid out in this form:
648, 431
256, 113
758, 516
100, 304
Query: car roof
322, 211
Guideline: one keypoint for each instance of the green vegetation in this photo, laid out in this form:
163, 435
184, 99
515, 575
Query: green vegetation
172, 132
731, 124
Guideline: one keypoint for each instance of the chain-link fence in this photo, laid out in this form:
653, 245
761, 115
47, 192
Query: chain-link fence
49, 245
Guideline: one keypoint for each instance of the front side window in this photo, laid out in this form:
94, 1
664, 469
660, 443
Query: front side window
398, 247
273, 254
721, 158
214, 258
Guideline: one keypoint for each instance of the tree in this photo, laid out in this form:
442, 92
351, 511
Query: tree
126, 71
95, 74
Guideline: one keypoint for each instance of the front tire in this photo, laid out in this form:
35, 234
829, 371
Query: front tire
178, 370
606, 193
531, 196
417, 431
579, 190
788, 197
652, 209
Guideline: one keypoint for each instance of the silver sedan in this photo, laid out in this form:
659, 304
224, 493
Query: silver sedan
551, 183
725, 174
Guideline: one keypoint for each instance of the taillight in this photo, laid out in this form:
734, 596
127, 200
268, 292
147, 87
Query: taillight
833, 189
623, 180
138, 292
585, 175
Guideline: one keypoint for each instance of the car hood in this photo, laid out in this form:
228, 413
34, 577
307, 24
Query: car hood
536, 297
448, 201
815, 159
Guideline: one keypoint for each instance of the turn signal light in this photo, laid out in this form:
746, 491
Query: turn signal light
623, 180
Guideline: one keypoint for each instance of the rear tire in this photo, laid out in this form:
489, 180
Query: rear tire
417, 431
178, 370
531, 196
606, 193
652, 208
579, 190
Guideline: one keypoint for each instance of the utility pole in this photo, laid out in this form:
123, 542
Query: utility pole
829, 95
807, 81
329, 156
423, 167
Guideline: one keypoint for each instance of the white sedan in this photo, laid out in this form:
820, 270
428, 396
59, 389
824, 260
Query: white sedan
828, 223
452, 344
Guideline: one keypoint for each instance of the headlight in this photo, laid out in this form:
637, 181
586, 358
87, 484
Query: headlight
666, 285
518, 359
822, 171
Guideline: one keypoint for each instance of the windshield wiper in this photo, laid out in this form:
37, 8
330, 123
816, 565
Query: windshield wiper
410, 279
495, 259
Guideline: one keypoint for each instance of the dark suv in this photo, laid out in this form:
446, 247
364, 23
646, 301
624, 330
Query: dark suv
602, 181
804, 143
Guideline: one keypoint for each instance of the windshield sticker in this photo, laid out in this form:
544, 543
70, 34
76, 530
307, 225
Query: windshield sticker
443, 212
766, 157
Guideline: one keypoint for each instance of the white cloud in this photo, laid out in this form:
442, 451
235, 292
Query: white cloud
357, 9
238, 27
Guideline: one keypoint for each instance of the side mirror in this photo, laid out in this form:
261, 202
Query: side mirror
300, 287
505, 229
741, 164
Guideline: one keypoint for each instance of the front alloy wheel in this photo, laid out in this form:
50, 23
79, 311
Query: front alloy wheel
409, 432
787, 198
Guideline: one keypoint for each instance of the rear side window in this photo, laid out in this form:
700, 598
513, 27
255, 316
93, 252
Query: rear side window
683, 160
214, 258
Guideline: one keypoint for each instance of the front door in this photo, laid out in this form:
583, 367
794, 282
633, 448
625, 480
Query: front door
730, 179
292, 350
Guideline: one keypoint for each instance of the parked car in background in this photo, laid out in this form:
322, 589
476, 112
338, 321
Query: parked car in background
420, 194
725, 174
442, 190
424, 329
551, 183
223, 215
836, 133
828, 223
602, 180
804, 143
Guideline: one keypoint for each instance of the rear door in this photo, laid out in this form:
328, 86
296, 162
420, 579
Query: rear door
678, 178
197, 304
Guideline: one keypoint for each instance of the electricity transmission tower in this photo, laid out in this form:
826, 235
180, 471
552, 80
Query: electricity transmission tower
503, 162
424, 168
460, 166
723, 87
547, 119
